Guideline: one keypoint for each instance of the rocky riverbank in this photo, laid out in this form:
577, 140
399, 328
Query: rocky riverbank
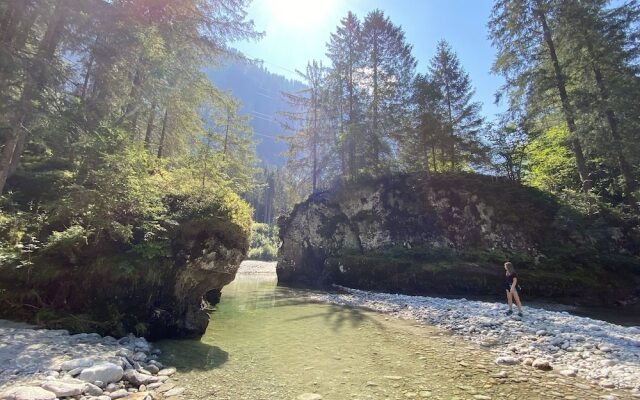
40, 364
603, 353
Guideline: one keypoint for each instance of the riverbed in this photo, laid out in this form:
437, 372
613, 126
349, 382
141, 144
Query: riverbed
270, 342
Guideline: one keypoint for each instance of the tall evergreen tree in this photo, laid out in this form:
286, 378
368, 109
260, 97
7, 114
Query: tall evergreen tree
389, 70
459, 114
344, 49
602, 42
524, 33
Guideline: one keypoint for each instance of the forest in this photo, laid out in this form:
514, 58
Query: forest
110, 125
571, 125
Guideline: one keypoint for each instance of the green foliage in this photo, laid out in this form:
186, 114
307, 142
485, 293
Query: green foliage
264, 242
69, 238
550, 165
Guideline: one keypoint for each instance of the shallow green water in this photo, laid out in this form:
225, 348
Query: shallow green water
268, 342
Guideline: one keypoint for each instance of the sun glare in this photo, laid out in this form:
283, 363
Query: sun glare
299, 14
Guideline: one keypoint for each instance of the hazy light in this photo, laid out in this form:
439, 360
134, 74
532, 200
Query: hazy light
299, 15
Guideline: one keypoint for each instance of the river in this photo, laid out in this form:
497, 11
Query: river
270, 342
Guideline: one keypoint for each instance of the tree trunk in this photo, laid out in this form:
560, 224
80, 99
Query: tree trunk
374, 128
226, 137
451, 130
163, 133
630, 184
87, 75
581, 164
351, 139
34, 83
150, 125
315, 141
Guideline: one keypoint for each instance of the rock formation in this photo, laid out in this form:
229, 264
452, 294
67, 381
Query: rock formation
450, 235
114, 288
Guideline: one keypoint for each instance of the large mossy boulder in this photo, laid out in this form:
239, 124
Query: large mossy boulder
450, 235
156, 286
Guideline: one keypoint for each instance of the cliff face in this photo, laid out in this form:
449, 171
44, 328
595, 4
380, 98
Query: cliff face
450, 235
159, 290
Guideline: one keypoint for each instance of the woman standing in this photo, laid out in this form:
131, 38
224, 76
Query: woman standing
511, 282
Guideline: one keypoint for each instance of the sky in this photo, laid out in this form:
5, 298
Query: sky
297, 31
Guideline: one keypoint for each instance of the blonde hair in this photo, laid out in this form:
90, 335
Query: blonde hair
509, 267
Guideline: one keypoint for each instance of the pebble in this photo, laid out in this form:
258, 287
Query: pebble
40, 365
541, 365
174, 392
507, 360
167, 372
309, 396
165, 387
27, 393
118, 394
64, 389
577, 346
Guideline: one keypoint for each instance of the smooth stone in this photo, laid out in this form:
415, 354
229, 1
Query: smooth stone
500, 375
167, 372
541, 365
27, 393
92, 390
136, 396
118, 394
569, 372
165, 387
63, 389
138, 378
76, 371
140, 356
507, 360
174, 392
309, 396
154, 385
106, 373
153, 369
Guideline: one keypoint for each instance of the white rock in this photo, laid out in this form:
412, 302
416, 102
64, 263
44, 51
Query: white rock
63, 389
27, 393
607, 384
118, 394
309, 396
92, 390
167, 372
507, 360
105, 373
541, 364
137, 378
174, 392
570, 372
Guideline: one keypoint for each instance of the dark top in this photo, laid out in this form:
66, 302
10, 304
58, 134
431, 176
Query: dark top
509, 280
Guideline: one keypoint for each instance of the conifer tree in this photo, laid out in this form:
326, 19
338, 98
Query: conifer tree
388, 71
459, 114
344, 49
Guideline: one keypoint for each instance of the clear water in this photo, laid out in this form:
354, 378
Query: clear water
268, 342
